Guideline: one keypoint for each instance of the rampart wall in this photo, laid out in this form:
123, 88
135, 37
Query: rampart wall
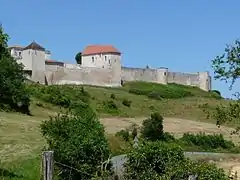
183, 78
70, 74
146, 74
86, 75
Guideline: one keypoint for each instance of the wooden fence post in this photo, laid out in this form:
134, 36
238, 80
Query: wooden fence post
47, 165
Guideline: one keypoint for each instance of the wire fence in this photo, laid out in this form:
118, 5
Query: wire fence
48, 163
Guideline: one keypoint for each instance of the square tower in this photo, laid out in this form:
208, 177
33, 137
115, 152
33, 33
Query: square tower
33, 59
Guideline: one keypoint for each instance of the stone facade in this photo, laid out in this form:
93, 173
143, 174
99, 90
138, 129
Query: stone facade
101, 66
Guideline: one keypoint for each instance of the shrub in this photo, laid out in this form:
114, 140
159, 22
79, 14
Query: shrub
206, 171
152, 128
78, 141
117, 145
154, 95
113, 96
123, 134
58, 95
159, 91
111, 104
207, 141
137, 92
161, 161
127, 103
216, 92
151, 160
13, 92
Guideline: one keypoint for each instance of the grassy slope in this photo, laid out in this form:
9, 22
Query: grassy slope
20, 135
186, 107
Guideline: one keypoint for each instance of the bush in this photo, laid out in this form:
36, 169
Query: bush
58, 95
207, 142
78, 141
154, 95
113, 96
152, 128
110, 107
117, 145
127, 103
205, 171
123, 134
159, 91
161, 161
151, 160
216, 92
13, 92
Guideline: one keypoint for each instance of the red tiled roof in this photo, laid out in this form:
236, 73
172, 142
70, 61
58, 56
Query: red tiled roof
53, 61
99, 49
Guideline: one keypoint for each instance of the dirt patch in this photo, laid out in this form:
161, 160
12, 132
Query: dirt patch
174, 125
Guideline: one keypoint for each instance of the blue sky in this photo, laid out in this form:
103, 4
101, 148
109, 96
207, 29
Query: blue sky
183, 35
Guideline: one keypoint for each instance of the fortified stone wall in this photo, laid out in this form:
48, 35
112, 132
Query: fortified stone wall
146, 74
161, 75
90, 76
57, 74
183, 78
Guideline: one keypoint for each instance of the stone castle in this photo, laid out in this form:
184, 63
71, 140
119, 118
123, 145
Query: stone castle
100, 66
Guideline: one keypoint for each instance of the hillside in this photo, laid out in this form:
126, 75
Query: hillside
20, 135
131, 100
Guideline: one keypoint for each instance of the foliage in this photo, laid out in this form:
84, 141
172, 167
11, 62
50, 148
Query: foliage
127, 103
124, 133
227, 68
64, 96
206, 142
151, 159
169, 91
118, 145
78, 58
204, 171
13, 93
161, 161
113, 96
77, 139
216, 92
110, 107
152, 129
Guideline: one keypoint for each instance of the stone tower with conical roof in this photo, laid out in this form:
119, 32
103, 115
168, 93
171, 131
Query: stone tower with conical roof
33, 59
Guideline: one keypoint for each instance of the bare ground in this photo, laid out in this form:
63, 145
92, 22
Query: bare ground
173, 125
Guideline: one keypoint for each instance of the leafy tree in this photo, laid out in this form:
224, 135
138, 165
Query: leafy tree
77, 139
78, 58
165, 161
151, 160
13, 93
152, 128
227, 68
